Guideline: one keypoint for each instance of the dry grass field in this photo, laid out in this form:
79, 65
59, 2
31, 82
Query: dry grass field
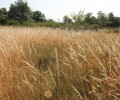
54, 64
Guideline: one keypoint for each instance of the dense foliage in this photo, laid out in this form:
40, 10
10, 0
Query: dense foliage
20, 13
3, 16
38, 16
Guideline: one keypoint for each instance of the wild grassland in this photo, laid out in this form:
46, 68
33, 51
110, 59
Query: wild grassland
54, 64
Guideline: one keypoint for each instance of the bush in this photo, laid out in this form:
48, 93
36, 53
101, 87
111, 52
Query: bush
29, 23
13, 22
94, 27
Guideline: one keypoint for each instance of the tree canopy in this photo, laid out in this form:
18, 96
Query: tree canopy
19, 11
38, 16
3, 16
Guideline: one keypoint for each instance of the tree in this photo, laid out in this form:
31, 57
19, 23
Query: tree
50, 20
93, 20
102, 19
79, 17
111, 16
67, 19
116, 22
89, 19
113, 21
3, 16
38, 16
19, 11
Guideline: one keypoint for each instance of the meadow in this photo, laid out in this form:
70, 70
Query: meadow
55, 64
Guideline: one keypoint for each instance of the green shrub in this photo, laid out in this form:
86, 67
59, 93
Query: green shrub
13, 22
94, 27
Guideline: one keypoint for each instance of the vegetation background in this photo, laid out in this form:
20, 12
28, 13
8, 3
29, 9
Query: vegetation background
20, 14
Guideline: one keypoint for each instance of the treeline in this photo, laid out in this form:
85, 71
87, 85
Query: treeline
20, 13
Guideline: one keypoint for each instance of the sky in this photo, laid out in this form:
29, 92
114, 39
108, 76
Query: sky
56, 9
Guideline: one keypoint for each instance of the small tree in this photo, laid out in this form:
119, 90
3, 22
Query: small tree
102, 19
113, 21
19, 11
67, 19
50, 20
3, 16
90, 19
38, 16
79, 17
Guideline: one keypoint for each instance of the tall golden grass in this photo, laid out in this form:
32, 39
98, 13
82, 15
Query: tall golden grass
55, 64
